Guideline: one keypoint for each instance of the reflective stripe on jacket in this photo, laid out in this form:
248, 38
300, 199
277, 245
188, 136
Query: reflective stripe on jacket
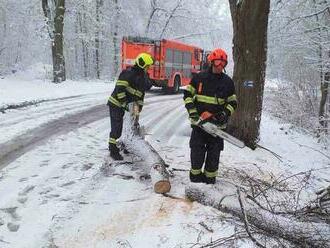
210, 92
130, 87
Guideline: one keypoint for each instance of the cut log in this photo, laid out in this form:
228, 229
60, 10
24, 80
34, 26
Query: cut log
158, 171
160, 178
135, 143
225, 199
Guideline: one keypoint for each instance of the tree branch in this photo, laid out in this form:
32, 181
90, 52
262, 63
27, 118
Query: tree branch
246, 224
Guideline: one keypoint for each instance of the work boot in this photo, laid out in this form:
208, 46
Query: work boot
114, 152
116, 156
199, 178
209, 180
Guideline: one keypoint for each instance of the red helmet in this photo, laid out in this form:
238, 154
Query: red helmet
218, 54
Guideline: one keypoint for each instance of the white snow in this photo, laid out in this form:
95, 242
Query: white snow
59, 194
33, 85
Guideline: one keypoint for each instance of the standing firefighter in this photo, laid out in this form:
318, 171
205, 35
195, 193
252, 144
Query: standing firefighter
130, 87
210, 96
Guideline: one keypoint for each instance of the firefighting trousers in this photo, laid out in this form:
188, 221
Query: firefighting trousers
116, 120
204, 145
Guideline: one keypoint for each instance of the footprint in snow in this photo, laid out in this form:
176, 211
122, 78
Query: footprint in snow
2, 222
23, 179
11, 211
67, 184
46, 190
87, 166
13, 227
22, 199
26, 190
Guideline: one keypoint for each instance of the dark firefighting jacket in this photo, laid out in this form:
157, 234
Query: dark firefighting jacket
210, 92
130, 87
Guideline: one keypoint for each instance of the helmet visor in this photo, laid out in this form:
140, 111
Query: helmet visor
219, 62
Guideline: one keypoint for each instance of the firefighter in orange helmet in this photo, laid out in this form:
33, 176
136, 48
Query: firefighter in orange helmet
130, 87
209, 96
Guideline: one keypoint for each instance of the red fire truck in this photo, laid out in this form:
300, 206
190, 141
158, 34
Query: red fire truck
175, 62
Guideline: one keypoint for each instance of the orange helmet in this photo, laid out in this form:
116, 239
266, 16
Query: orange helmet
220, 55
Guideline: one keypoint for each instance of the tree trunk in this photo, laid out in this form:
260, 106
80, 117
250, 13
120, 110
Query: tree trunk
170, 16
321, 65
57, 43
83, 43
323, 117
250, 21
99, 6
115, 40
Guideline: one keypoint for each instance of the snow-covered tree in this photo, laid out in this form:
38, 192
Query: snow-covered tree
300, 54
54, 14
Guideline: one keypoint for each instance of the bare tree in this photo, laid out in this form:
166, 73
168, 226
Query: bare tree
54, 13
115, 39
154, 9
299, 55
250, 21
99, 7
171, 15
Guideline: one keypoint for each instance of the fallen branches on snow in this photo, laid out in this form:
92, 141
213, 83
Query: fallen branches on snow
287, 228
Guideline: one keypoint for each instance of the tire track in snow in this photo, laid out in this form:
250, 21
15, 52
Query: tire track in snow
11, 150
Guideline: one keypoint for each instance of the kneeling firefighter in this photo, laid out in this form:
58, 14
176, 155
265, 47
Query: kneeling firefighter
130, 87
210, 96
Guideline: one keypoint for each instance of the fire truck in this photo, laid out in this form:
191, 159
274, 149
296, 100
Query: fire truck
175, 62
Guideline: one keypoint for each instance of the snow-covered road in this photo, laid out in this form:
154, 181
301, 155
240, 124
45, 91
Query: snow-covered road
54, 192
52, 156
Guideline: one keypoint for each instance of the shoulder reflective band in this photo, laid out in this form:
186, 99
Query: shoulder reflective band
134, 91
196, 172
122, 83
191, 89
210, 99
188, 100
210, 174
112, 141
232, 98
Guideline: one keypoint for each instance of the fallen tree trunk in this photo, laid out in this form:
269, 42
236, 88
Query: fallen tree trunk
226, 199
158, 172
135, 143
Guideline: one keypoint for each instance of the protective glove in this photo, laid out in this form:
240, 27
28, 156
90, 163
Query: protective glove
194, 118
221, 118
206, 115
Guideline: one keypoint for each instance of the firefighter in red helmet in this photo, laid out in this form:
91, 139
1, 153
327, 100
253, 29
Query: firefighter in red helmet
209, 96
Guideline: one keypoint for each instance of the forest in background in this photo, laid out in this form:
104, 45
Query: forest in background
298, 43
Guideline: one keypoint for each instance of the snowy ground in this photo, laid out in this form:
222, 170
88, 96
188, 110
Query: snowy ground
54, 193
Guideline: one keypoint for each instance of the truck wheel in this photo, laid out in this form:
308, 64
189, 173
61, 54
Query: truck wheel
176, 87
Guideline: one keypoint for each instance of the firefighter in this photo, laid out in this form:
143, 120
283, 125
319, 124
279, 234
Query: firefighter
210, 96
130, 87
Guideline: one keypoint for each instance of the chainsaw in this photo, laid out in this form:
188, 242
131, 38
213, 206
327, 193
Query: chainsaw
216, 131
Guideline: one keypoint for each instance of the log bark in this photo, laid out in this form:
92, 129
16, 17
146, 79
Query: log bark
302, 234
136, 144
